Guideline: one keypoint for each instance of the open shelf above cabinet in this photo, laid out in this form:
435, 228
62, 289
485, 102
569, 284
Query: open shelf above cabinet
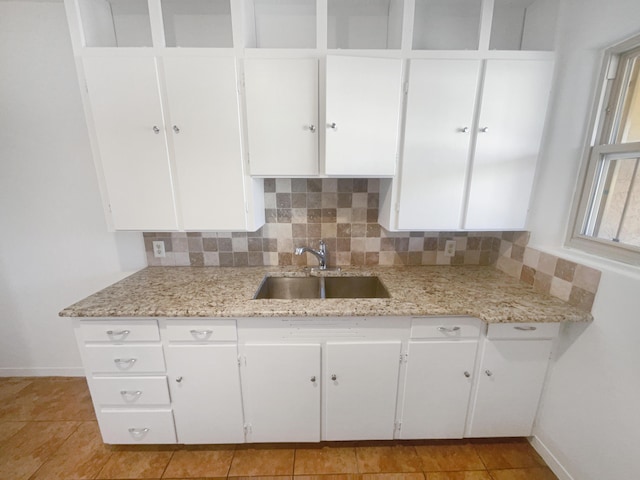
523, 25
197, 23
280, 23
447, 24
115, 23
374, 24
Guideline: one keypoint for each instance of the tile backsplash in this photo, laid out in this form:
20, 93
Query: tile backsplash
343, 212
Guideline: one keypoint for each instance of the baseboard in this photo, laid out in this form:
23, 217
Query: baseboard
551, 460
42, 372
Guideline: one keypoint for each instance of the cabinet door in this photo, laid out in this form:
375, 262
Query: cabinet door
205, 393
512, 374
205, 135
440, 109
361, 383
282, 116
364, 98
512, 116
437, 389
282, 401
127, 116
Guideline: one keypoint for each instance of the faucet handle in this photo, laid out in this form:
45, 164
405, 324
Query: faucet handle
323, 246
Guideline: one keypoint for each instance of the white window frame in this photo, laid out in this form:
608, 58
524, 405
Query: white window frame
600, 144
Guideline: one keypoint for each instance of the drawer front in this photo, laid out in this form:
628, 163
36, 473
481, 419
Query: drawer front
140, 426
129, 391
124, 358
201, 331
523, 330
446, 327
116, 331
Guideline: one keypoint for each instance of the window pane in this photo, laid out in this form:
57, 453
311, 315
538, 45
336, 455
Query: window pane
628, 127
615, 214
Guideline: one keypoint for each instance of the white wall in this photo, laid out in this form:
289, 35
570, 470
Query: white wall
54, 244
590, 416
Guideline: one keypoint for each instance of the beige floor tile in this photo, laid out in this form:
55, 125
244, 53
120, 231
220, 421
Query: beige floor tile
325, 460
393, 476
478, 475
29, 448
251, 462
388, 459
338, 476
11, 386
508, 454
541, 473
449, 457
81, 456
136, 464
9, 429
204, 462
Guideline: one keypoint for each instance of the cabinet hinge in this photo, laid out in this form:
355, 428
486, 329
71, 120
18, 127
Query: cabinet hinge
406, 88
242, 361
397, 426
247, 428
404, 357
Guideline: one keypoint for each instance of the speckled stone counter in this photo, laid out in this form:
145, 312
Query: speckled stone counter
481, 292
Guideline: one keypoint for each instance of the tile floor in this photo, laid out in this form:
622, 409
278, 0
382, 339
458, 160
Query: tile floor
48, 432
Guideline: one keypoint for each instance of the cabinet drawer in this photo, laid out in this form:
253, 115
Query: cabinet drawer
124, 391
124, 358
523, 330
445, 327
137, 426
119, 331
201, 330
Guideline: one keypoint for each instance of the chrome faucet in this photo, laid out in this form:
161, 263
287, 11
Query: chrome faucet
321, 254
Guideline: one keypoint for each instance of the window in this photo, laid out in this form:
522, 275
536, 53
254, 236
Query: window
608, 216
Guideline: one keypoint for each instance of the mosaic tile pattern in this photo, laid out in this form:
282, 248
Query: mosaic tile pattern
342, 212
569, 281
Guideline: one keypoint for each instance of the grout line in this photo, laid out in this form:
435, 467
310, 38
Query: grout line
167, 465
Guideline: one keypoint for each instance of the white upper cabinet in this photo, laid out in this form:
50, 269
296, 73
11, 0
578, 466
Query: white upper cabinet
438, 135
127, 118
512, 116
205, 134
282, 116
364, 98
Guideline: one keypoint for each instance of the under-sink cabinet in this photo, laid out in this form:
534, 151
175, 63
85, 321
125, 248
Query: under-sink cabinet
311, 379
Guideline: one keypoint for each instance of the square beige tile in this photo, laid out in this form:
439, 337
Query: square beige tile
251, 462
202, 462
477, 475
392, 476
325, 460
449, 457
9, 429
136, 464
388, 459
524, 474
501, 455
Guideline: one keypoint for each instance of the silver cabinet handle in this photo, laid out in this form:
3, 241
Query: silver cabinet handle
138, 432
334, 377
464, 130
176, 129
467, 374
156, 130
488, 373
130, 393
311, 128
448, 329
332, 126
313, 379
484, 129
201, 333
118, 333
179, 379
125, 362
526, 329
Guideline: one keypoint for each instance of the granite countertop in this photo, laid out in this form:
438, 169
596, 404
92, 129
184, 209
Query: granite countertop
481, 292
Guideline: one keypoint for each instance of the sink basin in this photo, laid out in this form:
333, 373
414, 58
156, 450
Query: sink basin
290, 288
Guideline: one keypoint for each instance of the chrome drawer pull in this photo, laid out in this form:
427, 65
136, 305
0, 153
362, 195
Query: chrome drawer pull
118, 333
448, 329
125, 362
138, 432
526, 329
130, 393
201, 333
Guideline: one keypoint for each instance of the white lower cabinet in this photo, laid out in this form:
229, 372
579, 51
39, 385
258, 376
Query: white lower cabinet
361, 384
282, 401
512, 372
199, 381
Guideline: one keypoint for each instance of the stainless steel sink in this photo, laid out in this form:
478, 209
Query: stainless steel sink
321, 288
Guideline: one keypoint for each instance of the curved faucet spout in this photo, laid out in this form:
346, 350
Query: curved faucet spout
320, 254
